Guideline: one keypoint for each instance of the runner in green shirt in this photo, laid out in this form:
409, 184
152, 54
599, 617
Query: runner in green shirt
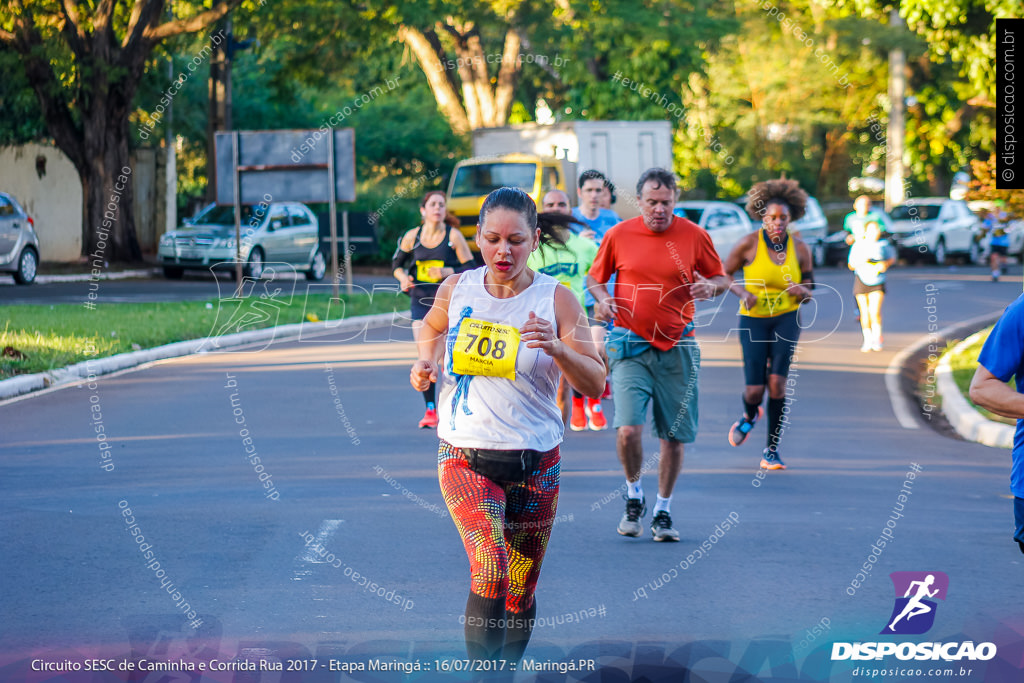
569, 265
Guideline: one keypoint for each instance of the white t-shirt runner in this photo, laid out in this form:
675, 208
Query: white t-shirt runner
493, 391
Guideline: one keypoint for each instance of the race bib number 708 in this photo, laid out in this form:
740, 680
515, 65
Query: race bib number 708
485, 348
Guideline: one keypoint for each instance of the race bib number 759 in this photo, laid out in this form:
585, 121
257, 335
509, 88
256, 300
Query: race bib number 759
485, 348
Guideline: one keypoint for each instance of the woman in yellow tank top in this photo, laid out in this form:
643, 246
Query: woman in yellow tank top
777, 277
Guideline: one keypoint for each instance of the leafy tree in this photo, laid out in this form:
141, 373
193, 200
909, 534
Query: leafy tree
961, 31
84, 60
983, 187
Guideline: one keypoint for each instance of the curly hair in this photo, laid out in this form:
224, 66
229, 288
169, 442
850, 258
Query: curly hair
779, 191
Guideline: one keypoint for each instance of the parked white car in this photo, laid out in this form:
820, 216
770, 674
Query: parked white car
725, 222
936, 228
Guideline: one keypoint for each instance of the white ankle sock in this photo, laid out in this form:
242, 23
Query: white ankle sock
634, 490
663, 504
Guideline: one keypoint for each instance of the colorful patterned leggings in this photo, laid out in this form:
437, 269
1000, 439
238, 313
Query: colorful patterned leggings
505, 527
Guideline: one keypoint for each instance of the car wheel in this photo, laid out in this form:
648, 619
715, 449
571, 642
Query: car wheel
940, 254
974, 253
318, 266
173, 272
28, 264
254, 265
818, 254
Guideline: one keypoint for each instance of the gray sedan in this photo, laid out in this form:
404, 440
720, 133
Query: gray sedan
274, 232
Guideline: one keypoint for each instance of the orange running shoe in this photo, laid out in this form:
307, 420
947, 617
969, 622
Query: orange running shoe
578, 421
429, 420
595, 412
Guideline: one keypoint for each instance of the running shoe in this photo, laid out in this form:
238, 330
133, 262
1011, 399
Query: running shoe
629, 525
429, 420
607, 390
595, 412
578, 421
866, 346
770, 460
739, 431
661, 527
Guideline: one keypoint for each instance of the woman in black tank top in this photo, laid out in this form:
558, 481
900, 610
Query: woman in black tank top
427, 255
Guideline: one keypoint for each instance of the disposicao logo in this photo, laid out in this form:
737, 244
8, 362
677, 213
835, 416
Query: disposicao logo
913, 614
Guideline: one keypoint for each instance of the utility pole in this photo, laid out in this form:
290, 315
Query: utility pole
894, 171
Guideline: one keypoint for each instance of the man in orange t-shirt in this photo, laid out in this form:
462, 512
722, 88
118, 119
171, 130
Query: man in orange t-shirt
662, 263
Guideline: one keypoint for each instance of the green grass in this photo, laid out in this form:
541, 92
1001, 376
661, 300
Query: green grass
52, 337
963, 365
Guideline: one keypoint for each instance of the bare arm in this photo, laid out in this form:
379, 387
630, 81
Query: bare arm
994, 395
573, 350
430, 338
462, 249
737, 259
605, 308
806, 263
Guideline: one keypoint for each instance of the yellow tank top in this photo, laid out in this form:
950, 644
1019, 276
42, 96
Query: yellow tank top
769, 281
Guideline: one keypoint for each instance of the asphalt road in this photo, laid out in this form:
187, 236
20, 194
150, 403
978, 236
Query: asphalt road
764, 600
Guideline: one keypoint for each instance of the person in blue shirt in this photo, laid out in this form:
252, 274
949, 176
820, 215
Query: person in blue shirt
998, 241
593, 187
1002, 357
594, 191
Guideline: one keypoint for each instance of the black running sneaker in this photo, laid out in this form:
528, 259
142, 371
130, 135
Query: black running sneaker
661, 527
629, 525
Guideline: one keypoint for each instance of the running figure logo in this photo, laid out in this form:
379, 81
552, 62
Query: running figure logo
914, 613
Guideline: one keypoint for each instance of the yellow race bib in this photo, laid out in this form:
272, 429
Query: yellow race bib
485, 348
773, 303
423, 270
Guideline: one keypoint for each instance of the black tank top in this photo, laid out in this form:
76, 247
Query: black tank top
443, 256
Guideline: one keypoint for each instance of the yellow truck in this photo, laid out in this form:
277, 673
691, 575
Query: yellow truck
538, 157
473, 179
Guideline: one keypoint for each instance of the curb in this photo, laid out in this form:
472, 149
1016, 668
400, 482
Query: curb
901, 394
89, 369
968, 422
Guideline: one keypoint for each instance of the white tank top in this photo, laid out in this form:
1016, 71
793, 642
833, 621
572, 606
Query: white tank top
480, 411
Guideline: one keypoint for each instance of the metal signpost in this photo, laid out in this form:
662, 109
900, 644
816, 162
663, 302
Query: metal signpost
288, 165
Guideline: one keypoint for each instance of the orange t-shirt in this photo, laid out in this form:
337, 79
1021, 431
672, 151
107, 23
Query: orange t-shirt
654, 274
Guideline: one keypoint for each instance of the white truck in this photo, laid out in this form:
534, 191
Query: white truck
622, 150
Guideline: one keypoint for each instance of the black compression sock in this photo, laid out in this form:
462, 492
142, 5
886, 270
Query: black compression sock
430, 396
518, 632
775, 406
751, 409
485, 627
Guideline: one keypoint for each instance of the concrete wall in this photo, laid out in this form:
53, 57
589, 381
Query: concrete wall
46, 184
51, 193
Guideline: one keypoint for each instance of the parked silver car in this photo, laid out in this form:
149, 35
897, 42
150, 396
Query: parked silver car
19, 244
936, 227
275, 232
725, 222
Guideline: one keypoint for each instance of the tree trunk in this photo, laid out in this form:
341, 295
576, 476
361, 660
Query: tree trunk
108, 230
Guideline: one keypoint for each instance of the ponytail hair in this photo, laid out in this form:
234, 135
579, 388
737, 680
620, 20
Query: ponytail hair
551, 225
